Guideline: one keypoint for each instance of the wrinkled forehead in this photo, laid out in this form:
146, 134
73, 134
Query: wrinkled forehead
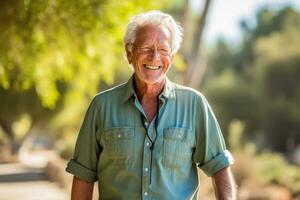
151, 34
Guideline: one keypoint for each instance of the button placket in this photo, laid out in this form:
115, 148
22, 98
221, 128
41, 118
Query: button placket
146, 162
146, 124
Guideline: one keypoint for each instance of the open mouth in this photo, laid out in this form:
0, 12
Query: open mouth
150, 67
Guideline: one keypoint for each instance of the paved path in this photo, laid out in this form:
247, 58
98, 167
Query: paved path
20, 182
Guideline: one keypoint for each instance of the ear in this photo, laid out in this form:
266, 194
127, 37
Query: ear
172, 57
128, 49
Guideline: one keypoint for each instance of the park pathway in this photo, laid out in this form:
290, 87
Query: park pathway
18, 181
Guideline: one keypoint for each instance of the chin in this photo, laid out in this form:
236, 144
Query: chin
153, 80
149, 79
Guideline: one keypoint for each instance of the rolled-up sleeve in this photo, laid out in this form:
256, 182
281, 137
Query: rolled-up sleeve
222, 160
211, 154
87, 149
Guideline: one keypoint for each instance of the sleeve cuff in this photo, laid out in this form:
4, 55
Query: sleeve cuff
81, 171
219, 162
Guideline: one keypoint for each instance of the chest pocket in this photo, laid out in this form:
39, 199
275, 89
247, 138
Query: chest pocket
177, 149
119, 145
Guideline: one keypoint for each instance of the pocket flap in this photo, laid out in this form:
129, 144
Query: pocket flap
119, 133
175, 133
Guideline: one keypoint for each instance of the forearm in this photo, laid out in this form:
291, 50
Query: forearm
224, 185
82, 190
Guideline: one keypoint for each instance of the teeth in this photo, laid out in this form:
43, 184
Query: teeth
152, 67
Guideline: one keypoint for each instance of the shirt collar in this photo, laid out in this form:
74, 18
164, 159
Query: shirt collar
129, 90
168, 91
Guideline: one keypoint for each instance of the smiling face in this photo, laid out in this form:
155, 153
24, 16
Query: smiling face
150, 54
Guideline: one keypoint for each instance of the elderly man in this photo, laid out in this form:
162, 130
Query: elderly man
144, 139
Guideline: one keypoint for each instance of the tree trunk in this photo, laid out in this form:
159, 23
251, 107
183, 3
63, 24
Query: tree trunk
10, 135
196, 64
184, 50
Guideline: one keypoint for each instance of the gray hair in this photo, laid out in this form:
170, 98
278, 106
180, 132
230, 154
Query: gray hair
157, 18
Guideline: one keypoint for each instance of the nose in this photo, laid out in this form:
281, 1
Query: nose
154, 56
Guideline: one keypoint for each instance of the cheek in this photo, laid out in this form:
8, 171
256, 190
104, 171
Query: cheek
140, 59
167, 61
135, 59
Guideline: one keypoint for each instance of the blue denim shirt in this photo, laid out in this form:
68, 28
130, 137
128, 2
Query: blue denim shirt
113, 147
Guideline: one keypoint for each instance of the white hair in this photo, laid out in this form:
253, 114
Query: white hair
156, 18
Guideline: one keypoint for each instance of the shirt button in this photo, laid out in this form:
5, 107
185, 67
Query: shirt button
146, 124
146, 169
148, 144
145, 193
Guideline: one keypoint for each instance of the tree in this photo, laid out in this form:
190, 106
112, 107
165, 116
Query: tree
190, 62
263, 88
56, 53
196, 63
277, 66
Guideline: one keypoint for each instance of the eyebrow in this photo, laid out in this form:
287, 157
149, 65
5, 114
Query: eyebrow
160, 45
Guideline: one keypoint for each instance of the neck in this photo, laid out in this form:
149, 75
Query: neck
148, 90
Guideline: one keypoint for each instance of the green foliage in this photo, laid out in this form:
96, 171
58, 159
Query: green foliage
260, 168
221, 57
232, 98
273, 168
277, 69
44, 42
259, 82
236, 129
54, 55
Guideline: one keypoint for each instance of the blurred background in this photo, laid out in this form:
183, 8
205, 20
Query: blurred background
55, 55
